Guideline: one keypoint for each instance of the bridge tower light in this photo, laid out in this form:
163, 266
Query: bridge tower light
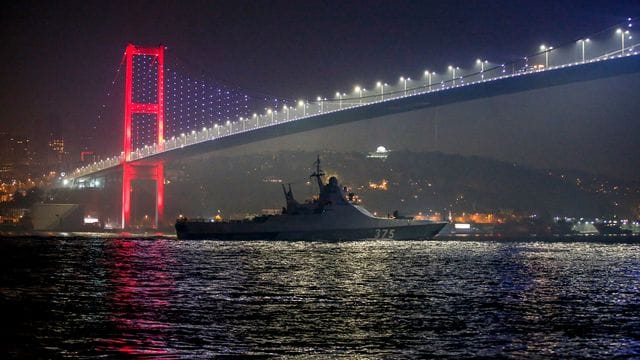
154, 170
286, 110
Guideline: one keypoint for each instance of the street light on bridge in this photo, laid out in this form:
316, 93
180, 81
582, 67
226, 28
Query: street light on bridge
286, 109
339, 96
622, 35
381, 86
453, 74
481, 63
405, 83
428, 74
270, 112
546, 54
358, 89
304, 107
582, 42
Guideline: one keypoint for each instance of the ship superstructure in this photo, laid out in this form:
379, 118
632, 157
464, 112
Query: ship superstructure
332, 215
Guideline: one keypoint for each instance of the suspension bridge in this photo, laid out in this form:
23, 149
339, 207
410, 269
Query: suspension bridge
571, 63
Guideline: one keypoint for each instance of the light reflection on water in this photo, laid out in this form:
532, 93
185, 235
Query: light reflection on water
171, 298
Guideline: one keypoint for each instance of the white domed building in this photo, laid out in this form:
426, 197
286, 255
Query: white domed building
380, 153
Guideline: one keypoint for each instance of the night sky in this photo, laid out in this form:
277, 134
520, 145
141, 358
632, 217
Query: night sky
59, 58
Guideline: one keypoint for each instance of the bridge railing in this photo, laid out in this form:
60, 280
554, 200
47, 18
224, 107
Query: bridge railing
611, 43
97, 166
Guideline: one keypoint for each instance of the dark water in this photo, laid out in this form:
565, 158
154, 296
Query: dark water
167, 298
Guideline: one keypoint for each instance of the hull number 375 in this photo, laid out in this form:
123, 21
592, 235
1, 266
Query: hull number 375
384, 233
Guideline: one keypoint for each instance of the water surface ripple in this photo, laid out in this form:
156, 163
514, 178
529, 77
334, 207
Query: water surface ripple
383, 299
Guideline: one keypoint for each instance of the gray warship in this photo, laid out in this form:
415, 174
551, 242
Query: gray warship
332, 215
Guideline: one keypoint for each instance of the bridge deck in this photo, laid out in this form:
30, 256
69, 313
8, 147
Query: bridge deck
420, 98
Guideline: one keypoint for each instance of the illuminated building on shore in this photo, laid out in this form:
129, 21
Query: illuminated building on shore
382, 185
16, 156
478, 218
57, 149
380, 153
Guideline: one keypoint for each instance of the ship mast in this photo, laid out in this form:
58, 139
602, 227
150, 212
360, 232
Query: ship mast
318, 174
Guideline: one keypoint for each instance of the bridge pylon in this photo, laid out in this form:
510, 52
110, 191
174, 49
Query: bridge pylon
153, 170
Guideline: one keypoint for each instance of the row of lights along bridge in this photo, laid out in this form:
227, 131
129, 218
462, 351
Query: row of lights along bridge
481, 64
455, 72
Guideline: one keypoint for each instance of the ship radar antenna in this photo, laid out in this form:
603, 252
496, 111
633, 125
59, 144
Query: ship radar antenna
318, 174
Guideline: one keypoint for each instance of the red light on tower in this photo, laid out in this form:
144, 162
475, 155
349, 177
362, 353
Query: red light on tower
154, 170
131, 107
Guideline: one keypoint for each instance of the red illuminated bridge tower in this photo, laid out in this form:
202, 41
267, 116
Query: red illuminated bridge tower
142, 170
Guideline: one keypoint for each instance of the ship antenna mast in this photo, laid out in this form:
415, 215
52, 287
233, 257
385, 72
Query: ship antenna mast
318, 174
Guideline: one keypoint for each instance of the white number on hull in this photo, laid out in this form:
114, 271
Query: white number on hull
385, 233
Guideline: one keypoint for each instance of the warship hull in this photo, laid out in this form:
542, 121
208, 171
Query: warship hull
202, 230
